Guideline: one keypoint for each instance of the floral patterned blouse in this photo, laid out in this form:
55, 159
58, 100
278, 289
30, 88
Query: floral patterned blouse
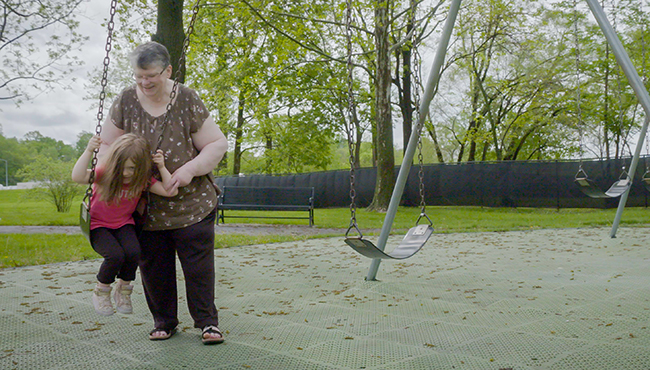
194, 201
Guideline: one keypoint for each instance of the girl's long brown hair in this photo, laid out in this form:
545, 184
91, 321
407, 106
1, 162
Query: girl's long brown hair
127, 146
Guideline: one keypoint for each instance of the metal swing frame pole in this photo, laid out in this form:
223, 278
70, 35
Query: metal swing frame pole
405, 168
639, 89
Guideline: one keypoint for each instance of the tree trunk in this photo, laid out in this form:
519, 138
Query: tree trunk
432, 132
268, 147
606, 101
239, 132
385, 155
170, 32
357, 140
407, 101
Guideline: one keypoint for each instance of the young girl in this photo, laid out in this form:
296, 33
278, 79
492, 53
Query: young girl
119, 181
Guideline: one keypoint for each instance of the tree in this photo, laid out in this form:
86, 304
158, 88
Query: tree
514, 74
270, 94
47, 147
16, 156
383, 115
292, 42
170, 31
82, 142
55, 183
25, 66
609, 99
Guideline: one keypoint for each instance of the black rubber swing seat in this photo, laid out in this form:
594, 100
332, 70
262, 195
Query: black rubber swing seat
84, 219
413, 241
590, 189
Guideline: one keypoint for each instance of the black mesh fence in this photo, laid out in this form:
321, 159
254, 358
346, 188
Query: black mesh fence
548, 184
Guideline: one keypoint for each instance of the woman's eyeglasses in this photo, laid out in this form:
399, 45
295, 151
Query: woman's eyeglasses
148, 77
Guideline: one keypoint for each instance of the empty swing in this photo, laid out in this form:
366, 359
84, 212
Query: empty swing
418, 235
589, 188
586, 185
645, 179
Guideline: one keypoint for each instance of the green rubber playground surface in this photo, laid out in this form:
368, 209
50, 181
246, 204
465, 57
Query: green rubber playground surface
547, 299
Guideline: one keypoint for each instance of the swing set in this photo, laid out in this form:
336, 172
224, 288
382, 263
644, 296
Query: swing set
622, 186
586, 185
418, 235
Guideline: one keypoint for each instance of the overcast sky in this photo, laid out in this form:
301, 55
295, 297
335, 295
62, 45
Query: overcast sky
63, 114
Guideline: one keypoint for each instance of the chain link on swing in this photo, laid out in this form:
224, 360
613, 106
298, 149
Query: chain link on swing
619, 92
581, 172
419, 123
646, 175
104, 82
102, 98
350, 119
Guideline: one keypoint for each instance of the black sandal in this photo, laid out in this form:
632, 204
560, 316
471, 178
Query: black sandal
168, 334
211, 329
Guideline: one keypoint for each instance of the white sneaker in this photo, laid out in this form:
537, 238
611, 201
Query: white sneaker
122, 298
102, 300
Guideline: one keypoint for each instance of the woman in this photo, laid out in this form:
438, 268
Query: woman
193, 145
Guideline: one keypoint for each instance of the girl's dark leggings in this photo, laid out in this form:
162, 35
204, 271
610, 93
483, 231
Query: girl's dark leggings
121, 251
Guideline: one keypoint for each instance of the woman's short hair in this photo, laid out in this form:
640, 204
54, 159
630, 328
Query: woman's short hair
149, 54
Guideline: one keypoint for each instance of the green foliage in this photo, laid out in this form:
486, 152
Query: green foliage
515, 83
39, 145
270, 97
55, 183
36, 38
82, 142
16, 156
274, 76
32, 147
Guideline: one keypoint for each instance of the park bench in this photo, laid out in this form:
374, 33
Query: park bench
247, 198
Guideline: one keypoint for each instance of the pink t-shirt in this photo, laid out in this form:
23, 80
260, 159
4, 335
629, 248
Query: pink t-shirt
113, 216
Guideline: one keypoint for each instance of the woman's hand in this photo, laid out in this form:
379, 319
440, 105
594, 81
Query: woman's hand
181, 177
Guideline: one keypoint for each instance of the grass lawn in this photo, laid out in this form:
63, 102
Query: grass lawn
34, 249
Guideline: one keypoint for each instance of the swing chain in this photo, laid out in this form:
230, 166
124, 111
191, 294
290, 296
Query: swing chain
415, 74
177, 74
643, 72
350, 119
102, 97
578, 91
619, 88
